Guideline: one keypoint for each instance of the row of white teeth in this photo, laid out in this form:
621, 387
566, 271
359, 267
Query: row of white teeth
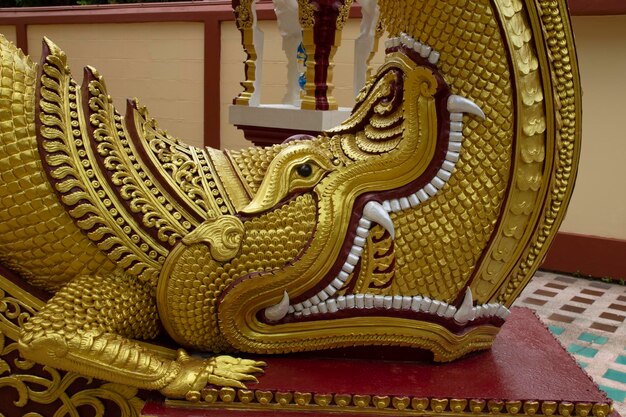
457, 105
465, 313
375, 212
407, 41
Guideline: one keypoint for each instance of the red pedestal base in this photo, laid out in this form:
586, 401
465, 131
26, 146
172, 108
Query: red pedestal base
526, 372
265, 136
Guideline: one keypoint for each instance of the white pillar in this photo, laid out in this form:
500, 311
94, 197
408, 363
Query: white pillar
364, 44
291, 32
258, 40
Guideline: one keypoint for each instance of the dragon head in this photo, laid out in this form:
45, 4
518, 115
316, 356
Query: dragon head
363, 183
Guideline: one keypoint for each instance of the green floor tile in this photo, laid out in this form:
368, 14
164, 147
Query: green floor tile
592, 338
581, 350
614, 393
597, 345
556, 330
614, 375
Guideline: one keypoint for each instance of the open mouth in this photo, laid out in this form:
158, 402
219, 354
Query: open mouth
327, 303
332, 300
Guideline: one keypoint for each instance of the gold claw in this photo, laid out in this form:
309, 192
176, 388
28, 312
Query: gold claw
195, 374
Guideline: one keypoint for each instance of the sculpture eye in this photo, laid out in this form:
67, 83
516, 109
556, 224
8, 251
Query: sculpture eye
304, 170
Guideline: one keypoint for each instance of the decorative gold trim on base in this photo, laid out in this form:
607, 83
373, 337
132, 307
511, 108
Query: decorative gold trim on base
250, 400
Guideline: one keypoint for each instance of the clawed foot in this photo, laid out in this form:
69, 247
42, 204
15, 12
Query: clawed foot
223, 371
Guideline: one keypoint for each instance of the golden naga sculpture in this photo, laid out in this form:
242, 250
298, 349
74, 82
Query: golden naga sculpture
415, 223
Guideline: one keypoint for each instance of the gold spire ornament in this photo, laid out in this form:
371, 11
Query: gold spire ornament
414, 223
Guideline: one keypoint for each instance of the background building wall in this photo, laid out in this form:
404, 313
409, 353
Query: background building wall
9, 32
161, 64
598, 205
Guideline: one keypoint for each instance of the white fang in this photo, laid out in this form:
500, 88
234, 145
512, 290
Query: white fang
375, 212
458, 104
279, 311
465, 312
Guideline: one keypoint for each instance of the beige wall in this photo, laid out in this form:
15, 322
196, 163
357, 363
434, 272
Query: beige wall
159, 63
8, 32
598, 206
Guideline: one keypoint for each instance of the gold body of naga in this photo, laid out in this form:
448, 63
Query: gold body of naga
414, 223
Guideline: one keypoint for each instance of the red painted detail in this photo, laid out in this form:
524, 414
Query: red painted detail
21, 37
268, 136
127, 13
326, 13
212, 59
596, 7
18, 281
594, 256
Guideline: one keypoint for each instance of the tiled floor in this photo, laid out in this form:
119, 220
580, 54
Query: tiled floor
588, 319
